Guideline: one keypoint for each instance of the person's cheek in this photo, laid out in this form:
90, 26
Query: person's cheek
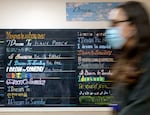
125, 33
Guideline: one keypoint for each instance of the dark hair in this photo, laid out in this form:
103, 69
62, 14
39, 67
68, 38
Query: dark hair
138, 16
128, 64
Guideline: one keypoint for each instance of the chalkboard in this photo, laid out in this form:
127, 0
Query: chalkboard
55, 67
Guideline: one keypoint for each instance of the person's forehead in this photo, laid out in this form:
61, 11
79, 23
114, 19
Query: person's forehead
117, 14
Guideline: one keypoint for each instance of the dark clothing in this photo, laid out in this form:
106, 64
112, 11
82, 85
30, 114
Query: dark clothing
135, 100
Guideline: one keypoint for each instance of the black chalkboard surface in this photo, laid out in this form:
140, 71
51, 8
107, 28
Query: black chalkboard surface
55, 67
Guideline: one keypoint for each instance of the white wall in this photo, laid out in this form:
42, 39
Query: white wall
56, 111
38, 14
42, 14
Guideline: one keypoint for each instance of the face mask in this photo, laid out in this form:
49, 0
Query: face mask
114, 38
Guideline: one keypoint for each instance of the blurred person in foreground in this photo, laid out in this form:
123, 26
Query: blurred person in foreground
130, 32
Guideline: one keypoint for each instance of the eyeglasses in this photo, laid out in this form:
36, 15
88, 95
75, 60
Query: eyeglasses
113, 22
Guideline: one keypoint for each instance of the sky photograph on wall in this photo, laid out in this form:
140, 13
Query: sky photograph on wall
89, 11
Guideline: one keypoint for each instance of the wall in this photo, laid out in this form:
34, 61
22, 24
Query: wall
43, 14
56, 111
47, 14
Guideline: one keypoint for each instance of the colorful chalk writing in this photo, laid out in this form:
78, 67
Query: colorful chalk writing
55, 67
95, 58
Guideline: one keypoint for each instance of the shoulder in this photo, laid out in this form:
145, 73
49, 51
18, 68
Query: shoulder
145, 65
143, 84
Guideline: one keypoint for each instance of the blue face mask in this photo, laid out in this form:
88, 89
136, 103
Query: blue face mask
114, 38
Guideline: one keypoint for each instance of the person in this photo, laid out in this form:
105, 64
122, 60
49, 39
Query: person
130, 34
